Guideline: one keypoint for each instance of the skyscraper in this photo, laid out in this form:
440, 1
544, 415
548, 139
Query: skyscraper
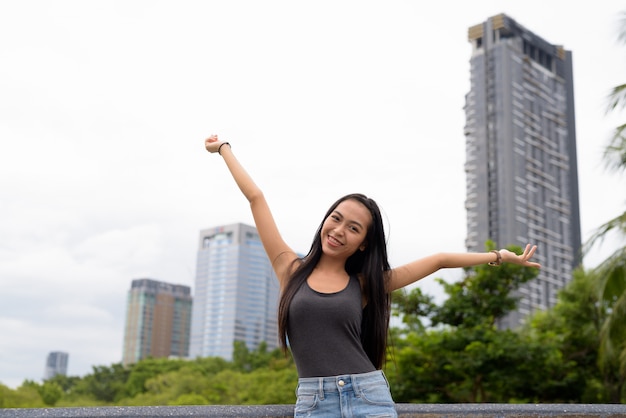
158, 320
236, 293
521, 165
56, 363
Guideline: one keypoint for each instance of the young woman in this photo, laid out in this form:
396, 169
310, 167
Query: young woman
335, 302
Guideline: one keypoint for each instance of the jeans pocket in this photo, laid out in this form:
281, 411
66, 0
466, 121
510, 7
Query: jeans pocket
377, 395
305, 403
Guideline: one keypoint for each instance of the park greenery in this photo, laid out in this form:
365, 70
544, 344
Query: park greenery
451, 352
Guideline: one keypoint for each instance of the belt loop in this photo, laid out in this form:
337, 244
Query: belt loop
320, 388
385, 377
355, 385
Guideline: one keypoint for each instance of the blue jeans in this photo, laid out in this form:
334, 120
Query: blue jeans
357, 395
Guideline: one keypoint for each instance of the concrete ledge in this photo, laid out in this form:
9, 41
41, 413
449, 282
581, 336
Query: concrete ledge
286, 411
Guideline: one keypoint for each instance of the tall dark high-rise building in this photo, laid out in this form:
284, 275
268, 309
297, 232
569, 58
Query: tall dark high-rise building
158, 320
56, 363
521, 165
235, 295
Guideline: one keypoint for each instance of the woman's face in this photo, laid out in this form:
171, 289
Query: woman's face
344, 231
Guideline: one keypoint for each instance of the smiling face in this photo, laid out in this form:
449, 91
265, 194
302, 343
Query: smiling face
344, 231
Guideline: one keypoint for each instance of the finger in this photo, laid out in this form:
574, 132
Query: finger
524, 253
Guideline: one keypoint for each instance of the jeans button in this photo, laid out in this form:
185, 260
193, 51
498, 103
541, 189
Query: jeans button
341, 383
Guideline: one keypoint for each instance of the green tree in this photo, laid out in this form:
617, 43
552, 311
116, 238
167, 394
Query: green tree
25, 396
611, 273
611, 282
245, 360
252, 377
189, 399
146, 369
413, 308
66, 383
484, 296
105, 384
463, 357
172, 386
615, 152
50, 392
573, 326
260, 387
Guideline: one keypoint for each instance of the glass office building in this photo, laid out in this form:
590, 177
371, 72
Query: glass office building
56, 363
158, 320
521, 164
236, 293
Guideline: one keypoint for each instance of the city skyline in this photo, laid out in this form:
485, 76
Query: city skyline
105, 109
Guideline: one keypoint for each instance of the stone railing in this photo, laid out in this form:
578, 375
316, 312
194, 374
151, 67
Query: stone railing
286, 411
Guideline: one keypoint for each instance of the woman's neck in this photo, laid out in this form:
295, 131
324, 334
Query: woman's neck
331, 266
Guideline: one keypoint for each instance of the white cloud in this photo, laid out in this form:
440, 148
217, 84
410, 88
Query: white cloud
90, 340
76, 310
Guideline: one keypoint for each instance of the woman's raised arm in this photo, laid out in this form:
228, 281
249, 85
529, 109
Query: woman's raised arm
279, 253
416, 270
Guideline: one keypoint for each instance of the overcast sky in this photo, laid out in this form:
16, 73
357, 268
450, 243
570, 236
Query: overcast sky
104, 107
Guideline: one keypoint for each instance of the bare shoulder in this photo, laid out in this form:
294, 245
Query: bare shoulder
284, 264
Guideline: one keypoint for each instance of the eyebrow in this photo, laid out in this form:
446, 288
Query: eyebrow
352, 221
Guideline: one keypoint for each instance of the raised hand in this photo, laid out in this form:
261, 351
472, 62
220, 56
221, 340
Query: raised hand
522, 259
212, 143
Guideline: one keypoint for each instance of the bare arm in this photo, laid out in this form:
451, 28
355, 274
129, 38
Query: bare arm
280, 254
416, 270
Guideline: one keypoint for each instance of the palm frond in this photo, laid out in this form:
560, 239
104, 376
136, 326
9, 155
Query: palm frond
617, 224
616, 98
622, 362
615, 152
610, 278
613, 336
622, 28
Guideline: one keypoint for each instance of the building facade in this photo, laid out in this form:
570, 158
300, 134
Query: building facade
158, 320
521, 164
56, 363
236, 293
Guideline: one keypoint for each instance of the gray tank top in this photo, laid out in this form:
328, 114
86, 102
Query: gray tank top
324, 331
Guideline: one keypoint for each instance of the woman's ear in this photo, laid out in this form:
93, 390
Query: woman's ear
363, 246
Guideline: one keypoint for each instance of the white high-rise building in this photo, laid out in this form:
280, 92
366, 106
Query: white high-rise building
235, 293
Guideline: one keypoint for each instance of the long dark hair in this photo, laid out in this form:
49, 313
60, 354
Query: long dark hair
370, 265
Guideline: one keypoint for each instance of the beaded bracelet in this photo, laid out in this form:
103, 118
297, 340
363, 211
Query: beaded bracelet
498, 260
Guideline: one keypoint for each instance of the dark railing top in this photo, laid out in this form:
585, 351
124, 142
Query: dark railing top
286, 411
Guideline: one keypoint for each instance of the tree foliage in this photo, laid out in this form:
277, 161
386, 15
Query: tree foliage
462, 357
573, 325
442, 353
610, 274
253, 377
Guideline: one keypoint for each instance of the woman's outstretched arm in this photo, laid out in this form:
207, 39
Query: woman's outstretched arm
416, 270
279, 253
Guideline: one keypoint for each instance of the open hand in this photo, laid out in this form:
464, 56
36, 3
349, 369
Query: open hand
522, 259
